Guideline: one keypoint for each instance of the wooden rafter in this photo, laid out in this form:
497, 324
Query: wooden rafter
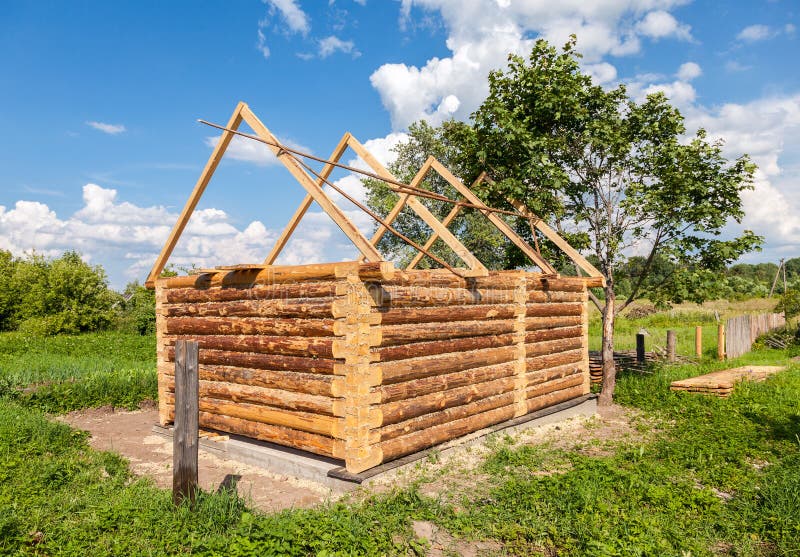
197, 192
560, 242
313, 189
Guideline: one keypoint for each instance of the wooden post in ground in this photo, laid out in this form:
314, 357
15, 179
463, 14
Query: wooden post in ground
671, 342
721, 341
185, 439
698, 341
640, 355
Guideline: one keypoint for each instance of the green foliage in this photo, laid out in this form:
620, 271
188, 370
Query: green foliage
446, 143
789, 303
51, 296
137, 310
615, 168
64, 373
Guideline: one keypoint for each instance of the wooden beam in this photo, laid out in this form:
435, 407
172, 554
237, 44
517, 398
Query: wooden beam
197, 192
313, 188
185, 440
446, 221
476, 267
560, 242
306, 203
501, 225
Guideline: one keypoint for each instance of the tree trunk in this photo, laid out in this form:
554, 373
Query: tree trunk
609, 370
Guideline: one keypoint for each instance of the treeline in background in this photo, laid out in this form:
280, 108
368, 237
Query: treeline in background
65, 295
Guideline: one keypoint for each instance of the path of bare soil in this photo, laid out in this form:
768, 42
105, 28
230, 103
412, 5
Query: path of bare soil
131, 435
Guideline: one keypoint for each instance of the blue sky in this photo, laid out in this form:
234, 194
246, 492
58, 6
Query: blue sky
100, 100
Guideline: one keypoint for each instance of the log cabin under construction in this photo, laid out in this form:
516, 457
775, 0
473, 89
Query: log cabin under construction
361, 361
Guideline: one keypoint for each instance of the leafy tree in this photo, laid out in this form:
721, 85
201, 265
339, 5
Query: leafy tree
138, 309
615, 169
446, 143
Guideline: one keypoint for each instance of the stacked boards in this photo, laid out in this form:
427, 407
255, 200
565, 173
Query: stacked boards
364, 363
721, 383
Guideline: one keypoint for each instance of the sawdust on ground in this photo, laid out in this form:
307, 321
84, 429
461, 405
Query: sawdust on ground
130, 434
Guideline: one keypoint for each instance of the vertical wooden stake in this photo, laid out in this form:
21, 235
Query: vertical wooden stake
698, 341
721, 341
185, 439
671, 342
640, 355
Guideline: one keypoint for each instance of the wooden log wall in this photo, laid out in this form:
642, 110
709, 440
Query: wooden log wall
364, 363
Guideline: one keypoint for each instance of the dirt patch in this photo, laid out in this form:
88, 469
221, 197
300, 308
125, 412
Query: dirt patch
131, 435
441, 543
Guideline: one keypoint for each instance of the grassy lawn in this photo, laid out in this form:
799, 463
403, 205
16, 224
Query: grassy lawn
710, 476
683, 319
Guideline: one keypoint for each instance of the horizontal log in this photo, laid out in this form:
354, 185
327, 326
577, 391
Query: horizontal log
276, 398
421, 296
553, 346
274, 274
553, 360
544, 375
563, 284
376, 271
261, 361
445, 416
554, 296
538, 323
445, 278
317, 444
248, 326
294, 381
289, 346
393, 335
400, 410
544, 401
329, 426
257, 292
554, 334
417, 368
296, 307
436, 383
418, 440
417, 349
401, 315
559, 384
551, 310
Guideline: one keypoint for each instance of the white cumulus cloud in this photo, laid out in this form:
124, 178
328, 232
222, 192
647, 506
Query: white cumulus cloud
110, 129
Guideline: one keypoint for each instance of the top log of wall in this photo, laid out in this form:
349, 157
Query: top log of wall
365, 363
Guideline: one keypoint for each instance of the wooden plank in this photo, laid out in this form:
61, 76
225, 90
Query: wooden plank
306, 203
331, 209
392, 335
418, 349
307, 308
432, 240
263, 361
499, 223
315, 347
477, 268
194, 197
562, 244
185, 438
402, 315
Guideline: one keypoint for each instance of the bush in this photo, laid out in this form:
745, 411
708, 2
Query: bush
789, 303
137, 310
51, 296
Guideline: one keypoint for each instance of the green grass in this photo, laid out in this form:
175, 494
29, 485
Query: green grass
711, 477
69, 372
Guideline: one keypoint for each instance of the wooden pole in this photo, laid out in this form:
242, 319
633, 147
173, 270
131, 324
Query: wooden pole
640, 356
671, 342
698, 341
721, 341
185, 439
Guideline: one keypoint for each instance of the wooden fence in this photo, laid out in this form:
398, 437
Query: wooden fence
742, 331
